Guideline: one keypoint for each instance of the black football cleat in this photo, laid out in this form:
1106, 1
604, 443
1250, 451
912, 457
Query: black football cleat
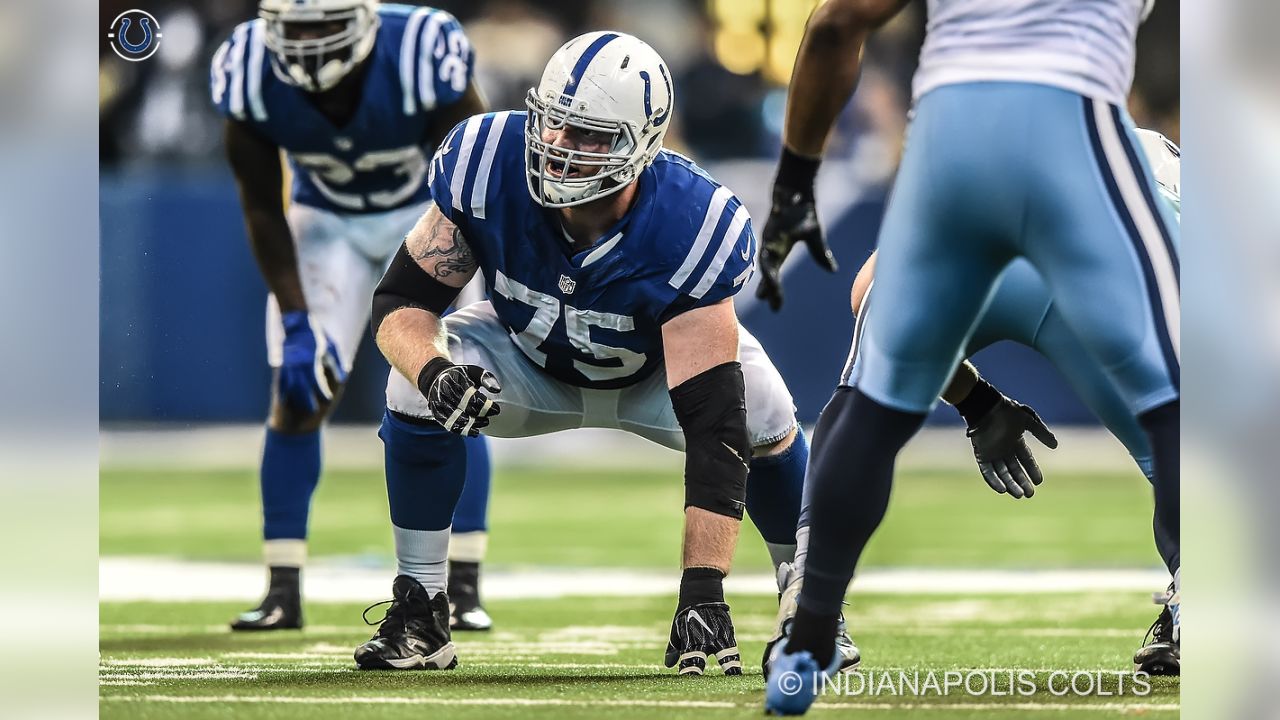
281, 609
1161, 653
789, 584
701, 631
466, 613
414, 634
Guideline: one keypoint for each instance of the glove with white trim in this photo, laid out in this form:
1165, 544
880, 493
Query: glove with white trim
309, 364
457, 395
700, 632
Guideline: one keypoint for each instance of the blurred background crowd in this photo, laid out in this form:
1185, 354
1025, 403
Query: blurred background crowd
731, 60
173, 239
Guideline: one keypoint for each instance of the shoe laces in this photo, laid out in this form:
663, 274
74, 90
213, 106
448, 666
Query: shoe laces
391, 610
1162, 629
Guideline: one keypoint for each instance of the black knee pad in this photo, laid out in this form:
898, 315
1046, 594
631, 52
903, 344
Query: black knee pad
712, 410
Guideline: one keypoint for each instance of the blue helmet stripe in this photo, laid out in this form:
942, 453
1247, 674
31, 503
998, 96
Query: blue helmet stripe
580, 69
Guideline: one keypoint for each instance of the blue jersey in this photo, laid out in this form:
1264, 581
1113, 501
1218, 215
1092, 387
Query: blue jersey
591, 318
377, 162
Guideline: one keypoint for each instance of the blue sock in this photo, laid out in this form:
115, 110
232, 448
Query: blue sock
1165, 544
774, 488
472, 513
856, 443
290, 472
425, 468
1163, 428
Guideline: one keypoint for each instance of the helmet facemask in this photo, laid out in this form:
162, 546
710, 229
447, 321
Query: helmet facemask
563, 177
313, 63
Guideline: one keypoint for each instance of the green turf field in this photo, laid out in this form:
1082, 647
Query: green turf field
577, 517
601, 657
596, 658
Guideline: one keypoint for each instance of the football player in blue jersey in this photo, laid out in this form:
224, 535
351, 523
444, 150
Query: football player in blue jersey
1042, 206
612, 265
357, 96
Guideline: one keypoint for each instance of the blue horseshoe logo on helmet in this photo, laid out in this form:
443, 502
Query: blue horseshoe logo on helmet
648, 108
138, 49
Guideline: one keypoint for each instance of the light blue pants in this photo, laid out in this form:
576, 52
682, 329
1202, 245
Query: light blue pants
997, 171
1022, 311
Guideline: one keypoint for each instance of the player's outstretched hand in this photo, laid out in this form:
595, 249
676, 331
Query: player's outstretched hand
458, 395
1003, 456
702, 631
793, 219
309, 364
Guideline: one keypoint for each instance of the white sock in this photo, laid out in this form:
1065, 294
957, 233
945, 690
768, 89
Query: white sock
468, 546
802, 549
421, 554
285, 552
779, 553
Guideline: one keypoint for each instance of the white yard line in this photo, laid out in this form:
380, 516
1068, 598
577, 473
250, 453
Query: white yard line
167, 579
304, 655
393, 700
154, 629
161, 662
1135, 707
139, 669
251, 662
193, 675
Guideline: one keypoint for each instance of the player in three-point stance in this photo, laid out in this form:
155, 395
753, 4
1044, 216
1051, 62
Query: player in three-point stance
612, 265
357, 95
1019, 148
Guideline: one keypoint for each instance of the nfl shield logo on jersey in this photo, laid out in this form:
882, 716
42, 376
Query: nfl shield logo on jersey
567, 284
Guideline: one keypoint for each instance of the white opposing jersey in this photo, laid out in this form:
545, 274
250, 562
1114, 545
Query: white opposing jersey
1165, 159
1085, 46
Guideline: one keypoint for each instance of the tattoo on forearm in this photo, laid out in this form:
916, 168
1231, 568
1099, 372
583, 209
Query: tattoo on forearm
441, 249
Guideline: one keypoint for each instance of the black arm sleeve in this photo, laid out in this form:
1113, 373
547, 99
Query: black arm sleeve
406, 284
712, 410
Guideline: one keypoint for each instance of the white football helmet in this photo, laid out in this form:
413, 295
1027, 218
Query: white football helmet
316, 64
605, 82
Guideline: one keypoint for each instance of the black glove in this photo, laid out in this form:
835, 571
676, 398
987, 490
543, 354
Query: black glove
456, 395
701, 631
1003, 457
792, 219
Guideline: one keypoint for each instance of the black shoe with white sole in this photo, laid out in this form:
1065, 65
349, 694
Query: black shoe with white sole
1161, 653
414, 634
466, 613
281, 609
